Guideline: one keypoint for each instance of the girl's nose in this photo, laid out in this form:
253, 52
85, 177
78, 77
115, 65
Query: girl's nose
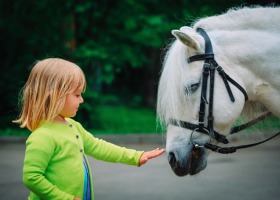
81, 100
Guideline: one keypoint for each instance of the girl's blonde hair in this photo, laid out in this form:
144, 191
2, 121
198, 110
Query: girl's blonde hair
43, 95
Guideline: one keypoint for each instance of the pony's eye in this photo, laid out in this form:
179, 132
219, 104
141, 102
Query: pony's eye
194, 87
190, 89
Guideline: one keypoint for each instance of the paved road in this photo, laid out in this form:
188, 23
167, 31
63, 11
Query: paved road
251, 174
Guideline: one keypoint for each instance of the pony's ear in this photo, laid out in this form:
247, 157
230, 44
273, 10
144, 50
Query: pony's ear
185, 39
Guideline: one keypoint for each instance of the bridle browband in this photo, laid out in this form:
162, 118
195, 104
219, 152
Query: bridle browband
209, 67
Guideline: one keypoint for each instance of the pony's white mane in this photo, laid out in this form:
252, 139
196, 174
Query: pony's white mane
171, 95
168, 102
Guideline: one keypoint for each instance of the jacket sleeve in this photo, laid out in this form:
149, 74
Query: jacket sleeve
109, 152
39, 151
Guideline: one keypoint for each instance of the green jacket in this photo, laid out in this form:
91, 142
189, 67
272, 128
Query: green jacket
53, 164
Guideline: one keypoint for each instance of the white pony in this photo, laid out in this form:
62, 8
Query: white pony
246, 44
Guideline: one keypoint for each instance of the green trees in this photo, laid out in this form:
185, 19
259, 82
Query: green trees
119, 45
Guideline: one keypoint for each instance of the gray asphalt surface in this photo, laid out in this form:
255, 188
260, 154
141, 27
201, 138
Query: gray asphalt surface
251, 174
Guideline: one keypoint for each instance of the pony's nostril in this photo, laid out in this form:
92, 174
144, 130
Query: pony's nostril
172, 159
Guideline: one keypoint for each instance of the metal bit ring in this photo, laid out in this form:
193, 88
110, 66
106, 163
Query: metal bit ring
197, 145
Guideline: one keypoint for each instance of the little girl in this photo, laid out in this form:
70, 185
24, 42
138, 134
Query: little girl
55, 165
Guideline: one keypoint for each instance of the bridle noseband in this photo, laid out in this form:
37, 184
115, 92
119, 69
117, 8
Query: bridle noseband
209, 67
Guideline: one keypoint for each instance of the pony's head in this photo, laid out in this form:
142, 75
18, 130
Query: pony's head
179, 98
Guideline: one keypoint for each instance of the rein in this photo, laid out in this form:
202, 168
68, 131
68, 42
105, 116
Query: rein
209, 67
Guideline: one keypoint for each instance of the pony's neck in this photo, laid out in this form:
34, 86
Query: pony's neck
242, 19
253, 61
249, 55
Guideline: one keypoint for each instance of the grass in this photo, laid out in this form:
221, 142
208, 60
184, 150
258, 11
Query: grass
270, 123
129, 120
14, 132
110, 120
123, 120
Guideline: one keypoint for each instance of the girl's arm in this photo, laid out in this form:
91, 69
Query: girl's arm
109, 152
106, 151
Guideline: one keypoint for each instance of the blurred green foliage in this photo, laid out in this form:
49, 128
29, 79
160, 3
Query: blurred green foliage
119, 45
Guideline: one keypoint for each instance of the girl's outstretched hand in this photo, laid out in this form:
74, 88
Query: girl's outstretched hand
150, 154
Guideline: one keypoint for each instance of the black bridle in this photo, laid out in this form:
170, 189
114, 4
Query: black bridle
209, 67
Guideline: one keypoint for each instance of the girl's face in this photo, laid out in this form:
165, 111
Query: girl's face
72, 103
